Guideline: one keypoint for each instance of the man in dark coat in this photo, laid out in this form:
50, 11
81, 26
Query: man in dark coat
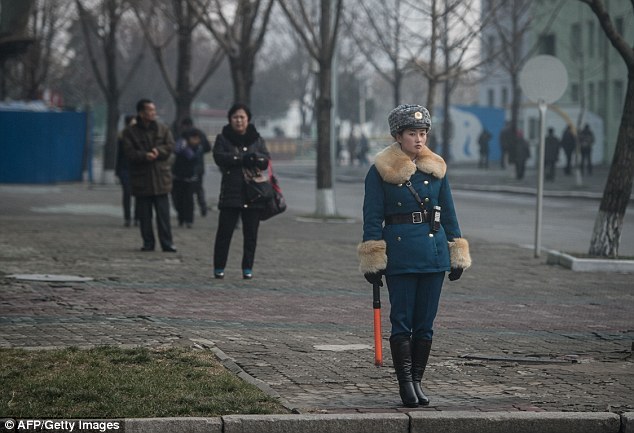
187, 124
551, 154
148, 146
568, 143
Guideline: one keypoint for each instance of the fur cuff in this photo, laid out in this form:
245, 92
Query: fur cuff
372, 256
459, 253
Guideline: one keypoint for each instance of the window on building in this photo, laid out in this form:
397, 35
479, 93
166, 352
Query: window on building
533, 127
490, 98
490, 46
618, 95
505, 97
618, 24
602, 98
546, 44
591, 39
575, 37
574, 92
591, 99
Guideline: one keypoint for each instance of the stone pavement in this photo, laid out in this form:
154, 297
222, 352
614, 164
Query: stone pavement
513, 334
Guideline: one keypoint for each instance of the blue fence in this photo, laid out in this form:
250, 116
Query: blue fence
42, 147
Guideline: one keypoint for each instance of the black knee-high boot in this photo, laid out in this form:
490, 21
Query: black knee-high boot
420, 355
401, 348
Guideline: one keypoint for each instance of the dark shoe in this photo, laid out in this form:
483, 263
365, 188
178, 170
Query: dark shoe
169, 249
147, 248
401, 347
127, 223
420, 355
247, 274
219, 274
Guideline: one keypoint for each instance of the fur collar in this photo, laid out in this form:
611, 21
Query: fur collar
395, 167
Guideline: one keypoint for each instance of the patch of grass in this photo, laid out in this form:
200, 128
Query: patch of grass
109, 382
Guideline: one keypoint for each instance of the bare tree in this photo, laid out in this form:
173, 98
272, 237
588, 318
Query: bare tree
318, 30
609, 222
102, 24
163, 22
240, 38
378, 29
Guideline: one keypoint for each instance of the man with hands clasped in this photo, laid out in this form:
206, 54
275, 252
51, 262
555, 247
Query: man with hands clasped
411, 235
148, 145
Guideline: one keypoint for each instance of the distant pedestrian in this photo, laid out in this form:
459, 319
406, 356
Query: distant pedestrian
238, 150
148, 145
411, 240
352, 147
506, 144
483, 142
521, 152
122, 170
187, 124
569, 144
586, 140
364, 148
551, 154
185, 171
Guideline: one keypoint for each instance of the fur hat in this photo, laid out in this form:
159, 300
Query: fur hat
408, 116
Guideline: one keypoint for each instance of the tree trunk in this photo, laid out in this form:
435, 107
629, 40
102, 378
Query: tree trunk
618, 189
183, 97
324, 105
242, 76
110, 145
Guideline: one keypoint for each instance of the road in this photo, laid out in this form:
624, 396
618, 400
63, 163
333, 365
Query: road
498, 217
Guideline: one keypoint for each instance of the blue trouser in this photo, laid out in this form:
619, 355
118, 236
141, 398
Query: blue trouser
414, 302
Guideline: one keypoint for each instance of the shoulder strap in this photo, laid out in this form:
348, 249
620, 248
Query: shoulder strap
409, 186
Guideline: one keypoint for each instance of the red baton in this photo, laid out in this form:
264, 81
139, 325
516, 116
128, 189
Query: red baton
378, 343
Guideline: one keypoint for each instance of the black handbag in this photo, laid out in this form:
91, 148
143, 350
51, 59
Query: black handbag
277, 204
258, 186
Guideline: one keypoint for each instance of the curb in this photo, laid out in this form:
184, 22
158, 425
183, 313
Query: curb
411, 422
589, 265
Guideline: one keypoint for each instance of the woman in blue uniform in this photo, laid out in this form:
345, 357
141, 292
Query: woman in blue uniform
411, 235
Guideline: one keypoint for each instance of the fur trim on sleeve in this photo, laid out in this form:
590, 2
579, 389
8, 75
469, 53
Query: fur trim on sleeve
372, 256
459, 253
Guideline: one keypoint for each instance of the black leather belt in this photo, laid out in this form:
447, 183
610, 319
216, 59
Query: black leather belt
408, 218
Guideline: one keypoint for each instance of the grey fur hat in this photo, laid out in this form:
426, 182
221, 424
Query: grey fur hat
408, 116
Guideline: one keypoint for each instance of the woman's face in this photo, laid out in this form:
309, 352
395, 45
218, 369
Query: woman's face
412, 141
239, 121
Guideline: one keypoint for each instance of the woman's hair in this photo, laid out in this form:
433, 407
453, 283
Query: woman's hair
239, 106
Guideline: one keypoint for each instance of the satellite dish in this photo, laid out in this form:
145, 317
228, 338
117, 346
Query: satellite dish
544, 79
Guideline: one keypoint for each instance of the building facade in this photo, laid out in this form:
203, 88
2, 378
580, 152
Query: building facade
597, 75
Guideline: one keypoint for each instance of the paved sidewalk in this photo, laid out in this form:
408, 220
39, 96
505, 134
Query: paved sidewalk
514, 334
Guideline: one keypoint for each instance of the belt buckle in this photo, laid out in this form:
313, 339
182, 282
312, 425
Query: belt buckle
417, 217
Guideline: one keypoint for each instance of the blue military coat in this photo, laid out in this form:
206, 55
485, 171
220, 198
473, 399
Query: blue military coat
410, 248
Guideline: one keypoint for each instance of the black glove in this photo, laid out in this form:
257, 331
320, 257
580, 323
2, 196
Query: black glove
374, 278
455, 274
248, 160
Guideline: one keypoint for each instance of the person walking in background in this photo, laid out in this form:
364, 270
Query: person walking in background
551, 154
352, 147
521, 152
148, 145
237, 149
411, 235
483, 142
364, 148
568, 143
185, 171
187, 124
586, 140
122, 170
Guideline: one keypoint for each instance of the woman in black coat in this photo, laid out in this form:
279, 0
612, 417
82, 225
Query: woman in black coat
238, 151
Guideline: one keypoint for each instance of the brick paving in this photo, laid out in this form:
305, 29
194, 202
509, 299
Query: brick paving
513, 334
